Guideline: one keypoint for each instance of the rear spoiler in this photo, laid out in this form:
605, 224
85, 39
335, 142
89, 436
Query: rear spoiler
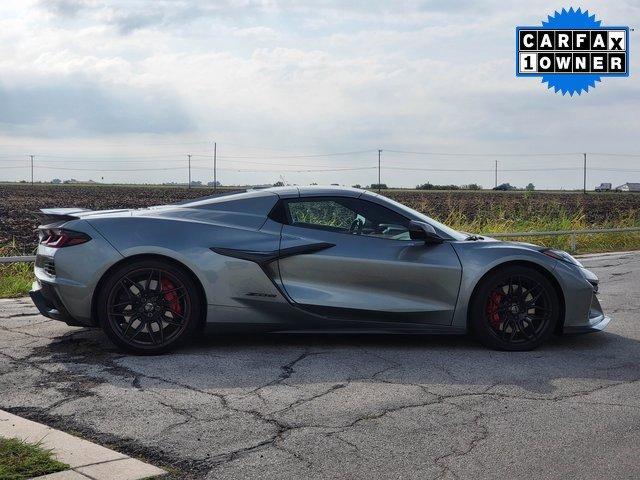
58, 214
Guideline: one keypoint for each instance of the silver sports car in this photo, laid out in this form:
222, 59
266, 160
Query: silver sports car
296, 259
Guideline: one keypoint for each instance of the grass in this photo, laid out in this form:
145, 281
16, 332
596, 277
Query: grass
20, 460
499, 221
15, 278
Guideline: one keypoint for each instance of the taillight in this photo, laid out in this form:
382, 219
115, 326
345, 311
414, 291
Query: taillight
59, 237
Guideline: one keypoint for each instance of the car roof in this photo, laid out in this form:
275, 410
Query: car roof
315, 191
282, 192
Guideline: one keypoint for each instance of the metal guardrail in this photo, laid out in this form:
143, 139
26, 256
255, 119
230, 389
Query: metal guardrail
550, 233
559, 233
19, 259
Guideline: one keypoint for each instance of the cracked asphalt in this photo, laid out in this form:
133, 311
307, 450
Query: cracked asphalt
370, 407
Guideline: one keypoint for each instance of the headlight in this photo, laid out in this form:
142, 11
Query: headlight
562, 256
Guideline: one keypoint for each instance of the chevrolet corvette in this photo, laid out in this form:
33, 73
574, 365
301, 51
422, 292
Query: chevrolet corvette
301, 259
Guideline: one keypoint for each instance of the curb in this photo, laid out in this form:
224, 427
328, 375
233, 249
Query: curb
86, 460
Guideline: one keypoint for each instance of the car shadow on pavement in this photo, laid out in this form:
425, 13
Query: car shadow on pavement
217, 361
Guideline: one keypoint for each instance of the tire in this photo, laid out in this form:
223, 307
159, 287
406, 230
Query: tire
514, 308
149, 306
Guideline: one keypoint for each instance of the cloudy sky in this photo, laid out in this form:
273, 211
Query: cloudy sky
93, 86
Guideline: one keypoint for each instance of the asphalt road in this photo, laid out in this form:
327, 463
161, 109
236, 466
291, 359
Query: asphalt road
356, 407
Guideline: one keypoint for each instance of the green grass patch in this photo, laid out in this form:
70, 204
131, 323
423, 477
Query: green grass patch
15, 278
498, 220
20, 460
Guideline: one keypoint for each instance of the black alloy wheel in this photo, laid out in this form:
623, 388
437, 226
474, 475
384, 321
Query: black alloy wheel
149, 306
515, 308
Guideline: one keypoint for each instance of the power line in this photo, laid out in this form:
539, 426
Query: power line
411, 169
304, 171
339, 169
79, 169
614, 154
315, 155
108, 157
452, 154
48, 167
140, 163
142, 144
173, 158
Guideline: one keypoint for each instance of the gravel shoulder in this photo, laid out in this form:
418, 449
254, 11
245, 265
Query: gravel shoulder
260, 406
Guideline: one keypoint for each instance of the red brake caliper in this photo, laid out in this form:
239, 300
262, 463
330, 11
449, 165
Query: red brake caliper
492, 309
171, 297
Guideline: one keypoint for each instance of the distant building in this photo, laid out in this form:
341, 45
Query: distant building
629, 187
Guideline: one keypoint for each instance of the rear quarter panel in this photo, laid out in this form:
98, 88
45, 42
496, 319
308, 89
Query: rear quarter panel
226, 281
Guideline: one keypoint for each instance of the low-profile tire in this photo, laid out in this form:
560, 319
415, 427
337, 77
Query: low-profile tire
514, 308
149, 306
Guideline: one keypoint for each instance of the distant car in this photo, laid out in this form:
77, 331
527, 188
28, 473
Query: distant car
301, 260
603, 187
504, 187
629, 187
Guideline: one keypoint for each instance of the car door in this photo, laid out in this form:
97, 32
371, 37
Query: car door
368, 268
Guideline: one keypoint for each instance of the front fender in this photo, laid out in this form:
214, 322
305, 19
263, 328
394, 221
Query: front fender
480, 257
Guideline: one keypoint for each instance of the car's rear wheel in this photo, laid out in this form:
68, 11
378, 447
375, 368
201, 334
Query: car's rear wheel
514, 308
149, 306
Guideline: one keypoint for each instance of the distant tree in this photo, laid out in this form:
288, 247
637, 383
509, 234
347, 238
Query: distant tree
430, 186
530, 188
214, 184
357, 185
473, 186
279, 183
56, 180
378, 186
504, 187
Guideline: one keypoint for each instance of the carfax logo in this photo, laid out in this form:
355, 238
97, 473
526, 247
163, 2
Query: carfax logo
571, 51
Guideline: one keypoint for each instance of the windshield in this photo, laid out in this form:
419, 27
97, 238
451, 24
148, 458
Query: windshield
454, 234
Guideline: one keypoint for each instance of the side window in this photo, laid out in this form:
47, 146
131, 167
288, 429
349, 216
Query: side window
348, 215
326, 214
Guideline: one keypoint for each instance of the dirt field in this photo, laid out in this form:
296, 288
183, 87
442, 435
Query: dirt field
20, 204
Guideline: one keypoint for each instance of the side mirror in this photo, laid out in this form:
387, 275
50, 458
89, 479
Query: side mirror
423, 231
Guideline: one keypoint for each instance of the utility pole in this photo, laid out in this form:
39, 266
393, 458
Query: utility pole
584, 177
215, 180
189, 157
31, 169
379, 184
495, 179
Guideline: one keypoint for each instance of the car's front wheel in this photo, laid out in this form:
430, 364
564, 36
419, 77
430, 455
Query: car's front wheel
149, 306
514, 308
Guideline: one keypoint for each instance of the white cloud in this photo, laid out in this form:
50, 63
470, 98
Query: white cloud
258, 33
332, 76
